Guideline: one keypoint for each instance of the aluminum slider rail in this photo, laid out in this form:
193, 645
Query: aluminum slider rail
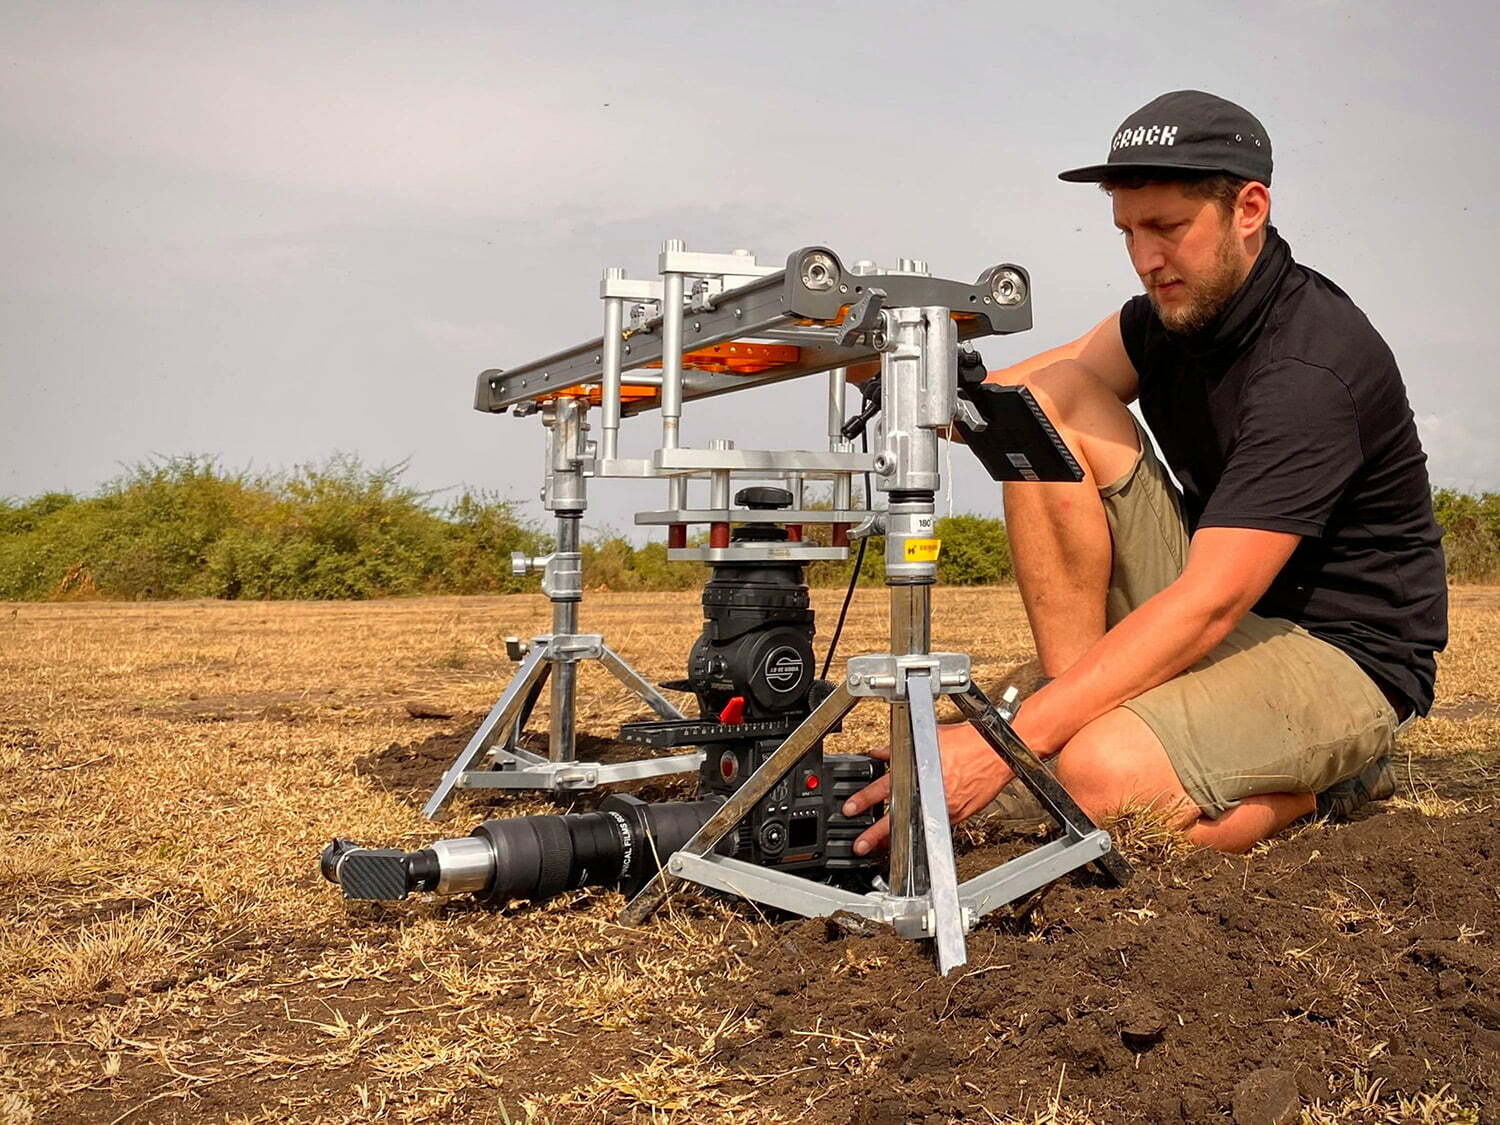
813, 287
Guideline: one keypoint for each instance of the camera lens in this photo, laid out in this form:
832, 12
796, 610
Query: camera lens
533, 857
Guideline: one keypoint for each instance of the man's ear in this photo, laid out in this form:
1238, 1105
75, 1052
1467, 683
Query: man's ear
1252, 209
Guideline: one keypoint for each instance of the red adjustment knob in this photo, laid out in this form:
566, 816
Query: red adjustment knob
734, 710
812, 781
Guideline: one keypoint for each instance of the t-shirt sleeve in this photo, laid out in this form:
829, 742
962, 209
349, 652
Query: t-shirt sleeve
1293, 456
1134, 317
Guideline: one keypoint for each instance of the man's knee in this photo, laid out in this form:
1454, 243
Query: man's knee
1116, 764
1061, 388
1094, 422
1092, 775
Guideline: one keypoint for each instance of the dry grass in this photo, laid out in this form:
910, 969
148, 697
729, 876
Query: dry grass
169, 772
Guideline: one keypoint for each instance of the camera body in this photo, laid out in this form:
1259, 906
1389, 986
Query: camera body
799, 824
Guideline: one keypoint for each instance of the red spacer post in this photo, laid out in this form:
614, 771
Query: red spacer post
794, 533
718, 535
677, 535
841, 535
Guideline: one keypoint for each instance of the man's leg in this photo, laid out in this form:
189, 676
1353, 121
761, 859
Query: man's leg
1116, 763
1059, 534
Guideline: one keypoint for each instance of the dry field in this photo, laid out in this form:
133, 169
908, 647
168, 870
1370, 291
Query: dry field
169, 953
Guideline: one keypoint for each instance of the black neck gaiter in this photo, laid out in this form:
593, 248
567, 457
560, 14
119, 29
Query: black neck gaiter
1243, 317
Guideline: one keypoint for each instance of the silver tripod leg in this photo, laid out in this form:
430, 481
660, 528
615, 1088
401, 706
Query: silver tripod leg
633, 680
496, 724
1030, 772
513, 736
823, 719
937, 833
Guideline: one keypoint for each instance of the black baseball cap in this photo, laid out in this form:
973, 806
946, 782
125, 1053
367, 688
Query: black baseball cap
1185, 131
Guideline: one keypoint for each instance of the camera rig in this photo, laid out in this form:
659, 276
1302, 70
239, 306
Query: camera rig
716, 324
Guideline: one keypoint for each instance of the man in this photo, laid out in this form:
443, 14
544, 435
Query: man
1240, 653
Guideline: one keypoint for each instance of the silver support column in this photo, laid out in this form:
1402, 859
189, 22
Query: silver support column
909, 636
562, 738
563, 577
843, 484
671, 366
937, 832
609, 400
721, 482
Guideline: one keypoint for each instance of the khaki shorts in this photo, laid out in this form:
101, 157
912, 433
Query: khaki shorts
1273, 709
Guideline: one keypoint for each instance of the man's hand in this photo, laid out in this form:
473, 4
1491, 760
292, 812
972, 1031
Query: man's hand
972, 776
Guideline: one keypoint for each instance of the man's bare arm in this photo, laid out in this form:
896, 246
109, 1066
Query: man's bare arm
1228, 569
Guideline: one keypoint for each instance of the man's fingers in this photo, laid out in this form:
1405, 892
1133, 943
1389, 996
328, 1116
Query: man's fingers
882, 753
870, 796
873, 837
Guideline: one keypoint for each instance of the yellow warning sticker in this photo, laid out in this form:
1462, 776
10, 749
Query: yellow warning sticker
922, 550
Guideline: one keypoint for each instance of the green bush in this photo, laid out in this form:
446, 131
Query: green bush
481, 530
1471, 533
185, 528
146, 535
17, 517
612, 562
336, 531
976, 551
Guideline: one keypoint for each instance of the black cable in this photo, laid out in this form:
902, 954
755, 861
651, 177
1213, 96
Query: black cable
859, 562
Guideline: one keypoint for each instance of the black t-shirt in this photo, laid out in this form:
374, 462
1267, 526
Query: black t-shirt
1288, 414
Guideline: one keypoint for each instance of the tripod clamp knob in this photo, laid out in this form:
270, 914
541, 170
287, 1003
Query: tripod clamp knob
862, 318
522, 564
1007, 708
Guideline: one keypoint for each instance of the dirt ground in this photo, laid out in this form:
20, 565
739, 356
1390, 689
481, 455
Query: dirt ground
168, 951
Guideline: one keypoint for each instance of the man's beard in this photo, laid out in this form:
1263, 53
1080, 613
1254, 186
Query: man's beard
1207, 296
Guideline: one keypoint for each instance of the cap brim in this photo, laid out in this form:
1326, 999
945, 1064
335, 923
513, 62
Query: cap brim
1095, 173
1090, 175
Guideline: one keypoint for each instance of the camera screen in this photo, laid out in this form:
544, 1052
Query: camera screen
802, 832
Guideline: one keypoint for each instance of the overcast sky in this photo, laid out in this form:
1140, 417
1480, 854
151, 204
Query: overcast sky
272, 231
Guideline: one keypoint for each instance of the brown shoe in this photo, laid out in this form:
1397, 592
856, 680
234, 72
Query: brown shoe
1016, 808
1376, 782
